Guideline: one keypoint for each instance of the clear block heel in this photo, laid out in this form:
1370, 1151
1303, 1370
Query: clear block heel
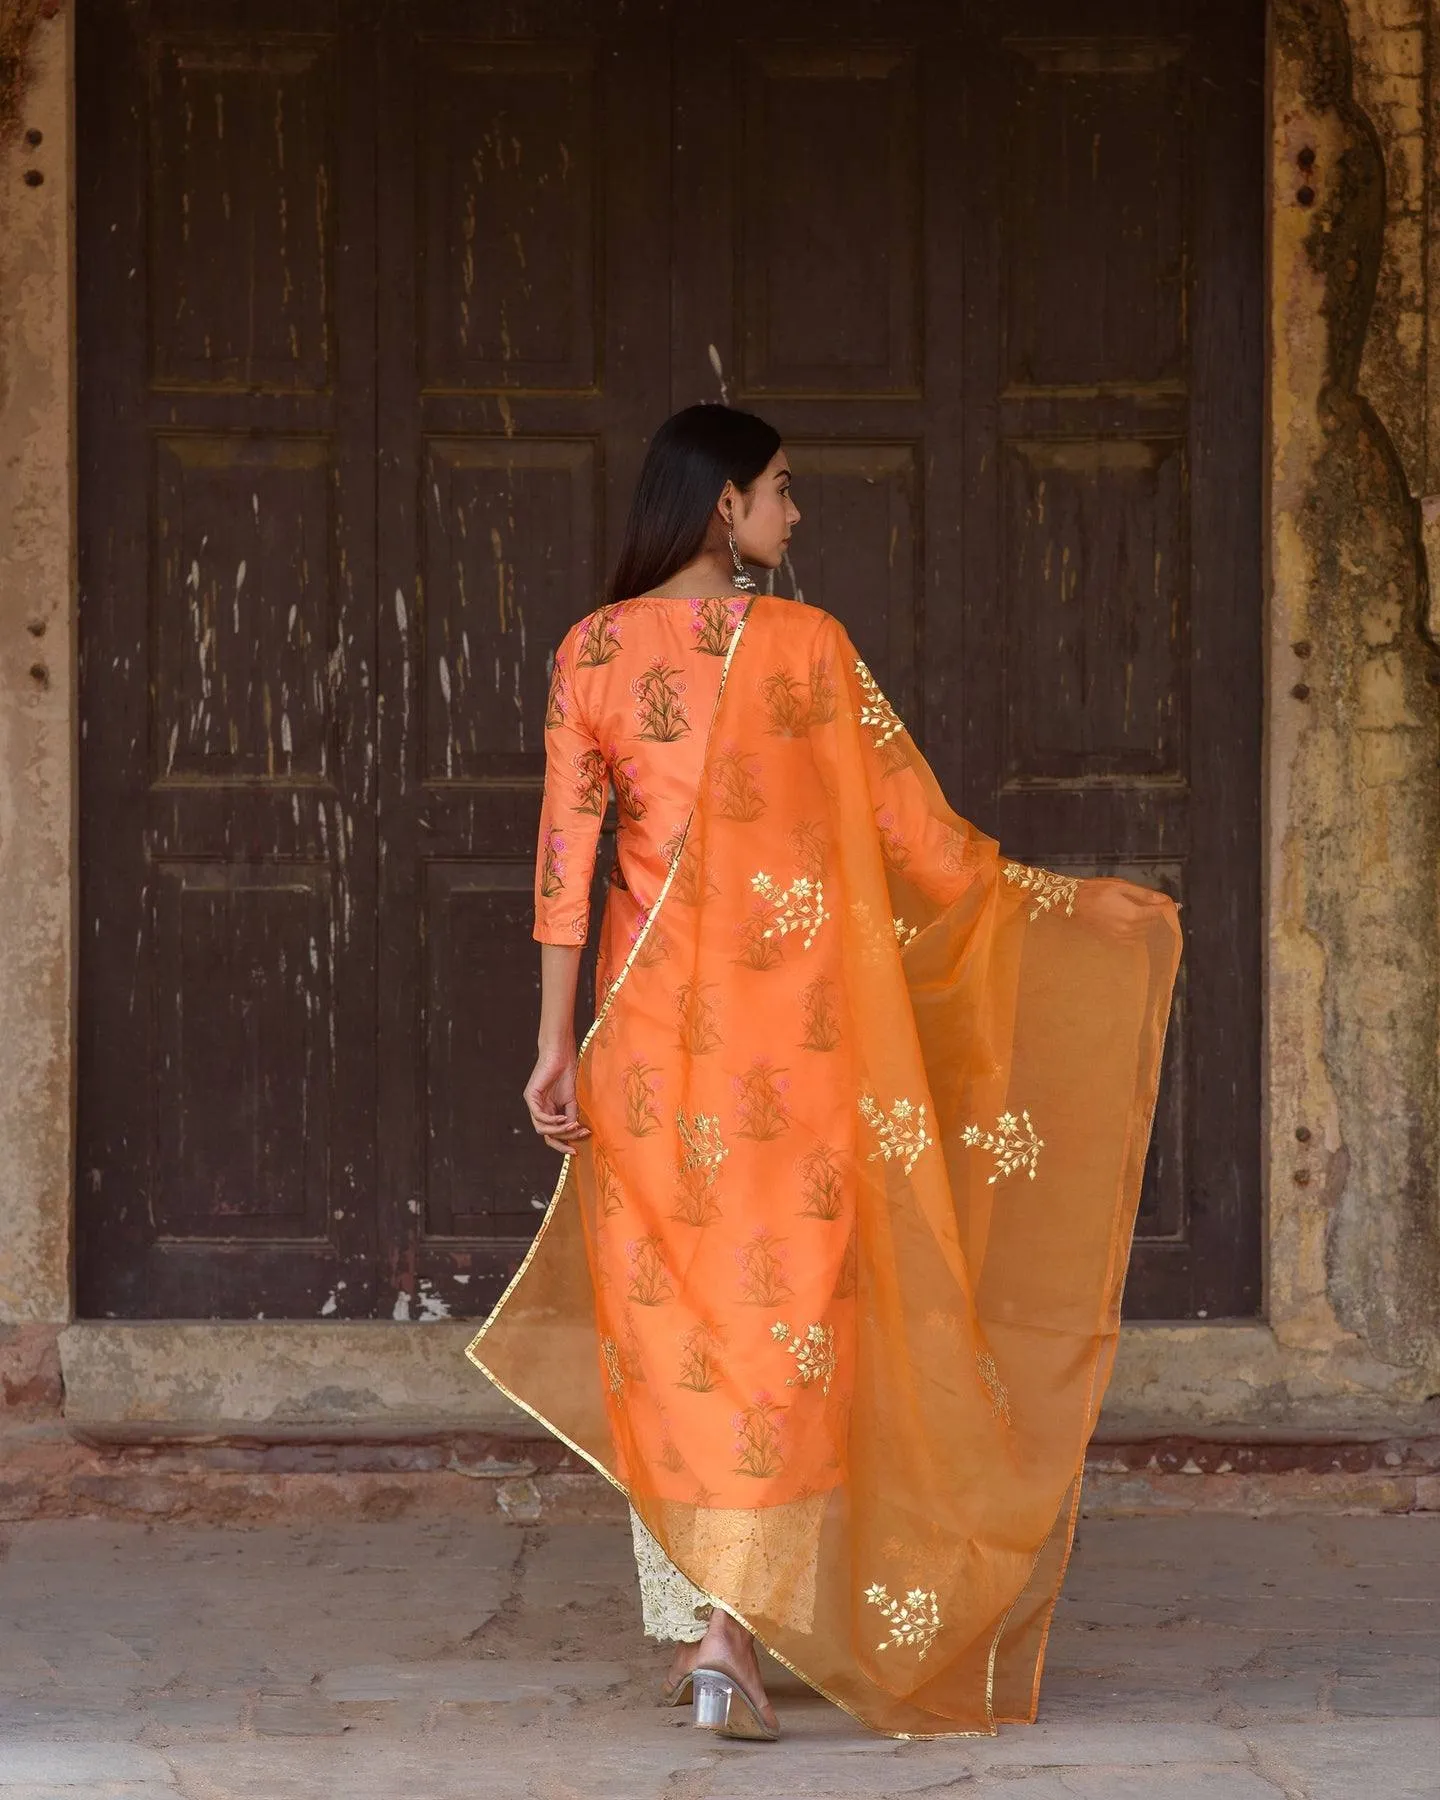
722, 1705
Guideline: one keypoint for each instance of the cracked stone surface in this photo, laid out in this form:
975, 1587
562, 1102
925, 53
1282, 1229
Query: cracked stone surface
1193, 1658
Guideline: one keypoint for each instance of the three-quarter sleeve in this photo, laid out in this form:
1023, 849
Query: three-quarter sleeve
576, 789
922, 840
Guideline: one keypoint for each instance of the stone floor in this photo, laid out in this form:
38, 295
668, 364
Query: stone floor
1199, 1658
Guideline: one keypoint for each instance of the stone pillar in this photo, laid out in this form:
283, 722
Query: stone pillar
37, 656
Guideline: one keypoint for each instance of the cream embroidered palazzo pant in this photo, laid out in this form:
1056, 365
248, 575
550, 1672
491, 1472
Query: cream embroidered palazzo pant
754, 1547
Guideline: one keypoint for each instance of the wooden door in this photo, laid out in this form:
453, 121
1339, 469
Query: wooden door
524, 249
227, 924
995, 274
1106, 659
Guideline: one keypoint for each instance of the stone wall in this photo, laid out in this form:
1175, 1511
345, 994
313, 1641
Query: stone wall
1351, 1339
37, 614
1354, 803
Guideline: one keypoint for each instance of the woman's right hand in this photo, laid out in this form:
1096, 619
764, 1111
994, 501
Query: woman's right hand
550, 1097
1116, 907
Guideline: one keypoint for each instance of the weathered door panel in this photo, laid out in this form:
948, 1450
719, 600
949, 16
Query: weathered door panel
227, 897
1110, 633
523, 324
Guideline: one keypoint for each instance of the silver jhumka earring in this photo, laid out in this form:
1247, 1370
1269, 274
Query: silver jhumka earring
743, 581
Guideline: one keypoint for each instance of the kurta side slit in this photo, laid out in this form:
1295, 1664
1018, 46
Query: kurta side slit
832, 1290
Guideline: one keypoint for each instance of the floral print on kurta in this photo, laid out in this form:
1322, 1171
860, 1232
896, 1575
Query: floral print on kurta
628, 683
727, 1146
737, 1188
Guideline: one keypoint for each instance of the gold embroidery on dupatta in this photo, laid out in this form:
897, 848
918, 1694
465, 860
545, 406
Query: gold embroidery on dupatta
994, 1386
1012, 1143
901, 1131
700, 1137
800, 907
875, 710
614, 1374
913, 1620
904, 932
702, 1150
1045, 888
814, 1354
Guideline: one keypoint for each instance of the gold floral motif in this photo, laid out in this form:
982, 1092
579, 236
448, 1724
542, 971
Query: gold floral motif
1012, 1143
994, 1386
614, 1374
1045, 888
814, 1354
901, 1131
800, 907
913, 1620
701, 1143
875, 710
904, 932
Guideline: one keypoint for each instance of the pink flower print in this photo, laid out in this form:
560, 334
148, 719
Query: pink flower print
714, 622
552, 866
629, 796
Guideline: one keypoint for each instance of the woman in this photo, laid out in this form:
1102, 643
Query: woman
829, 1285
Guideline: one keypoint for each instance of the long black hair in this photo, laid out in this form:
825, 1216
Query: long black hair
691, 457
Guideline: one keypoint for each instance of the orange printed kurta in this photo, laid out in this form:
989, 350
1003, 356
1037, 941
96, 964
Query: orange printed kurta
832, 1289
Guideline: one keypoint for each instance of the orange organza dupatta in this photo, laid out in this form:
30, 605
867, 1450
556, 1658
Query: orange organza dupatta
833, 1289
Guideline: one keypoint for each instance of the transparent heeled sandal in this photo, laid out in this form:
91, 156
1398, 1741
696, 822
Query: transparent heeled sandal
721, 1704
